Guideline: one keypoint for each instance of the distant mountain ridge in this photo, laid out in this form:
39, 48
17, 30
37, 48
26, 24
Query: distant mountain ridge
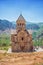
32, 26
5, 24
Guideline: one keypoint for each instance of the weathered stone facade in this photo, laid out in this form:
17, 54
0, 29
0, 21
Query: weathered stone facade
22, 40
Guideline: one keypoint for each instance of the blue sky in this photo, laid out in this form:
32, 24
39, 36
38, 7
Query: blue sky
32, 10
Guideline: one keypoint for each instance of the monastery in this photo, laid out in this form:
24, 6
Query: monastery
21, 39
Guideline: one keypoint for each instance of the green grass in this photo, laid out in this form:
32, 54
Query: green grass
4, 40
4, 48
38, 42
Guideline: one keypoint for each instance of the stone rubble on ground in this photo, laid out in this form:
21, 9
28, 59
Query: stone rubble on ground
9, 50
39, 49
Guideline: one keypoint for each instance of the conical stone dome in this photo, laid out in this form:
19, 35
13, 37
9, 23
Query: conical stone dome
20, 18
20, 23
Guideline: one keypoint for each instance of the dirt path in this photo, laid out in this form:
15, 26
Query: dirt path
34, 58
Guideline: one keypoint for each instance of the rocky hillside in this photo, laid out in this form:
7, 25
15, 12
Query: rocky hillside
5, 24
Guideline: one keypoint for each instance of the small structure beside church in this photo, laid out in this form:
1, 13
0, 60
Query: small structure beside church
21, 39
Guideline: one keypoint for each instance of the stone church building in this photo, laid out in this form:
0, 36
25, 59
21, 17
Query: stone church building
21, 40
